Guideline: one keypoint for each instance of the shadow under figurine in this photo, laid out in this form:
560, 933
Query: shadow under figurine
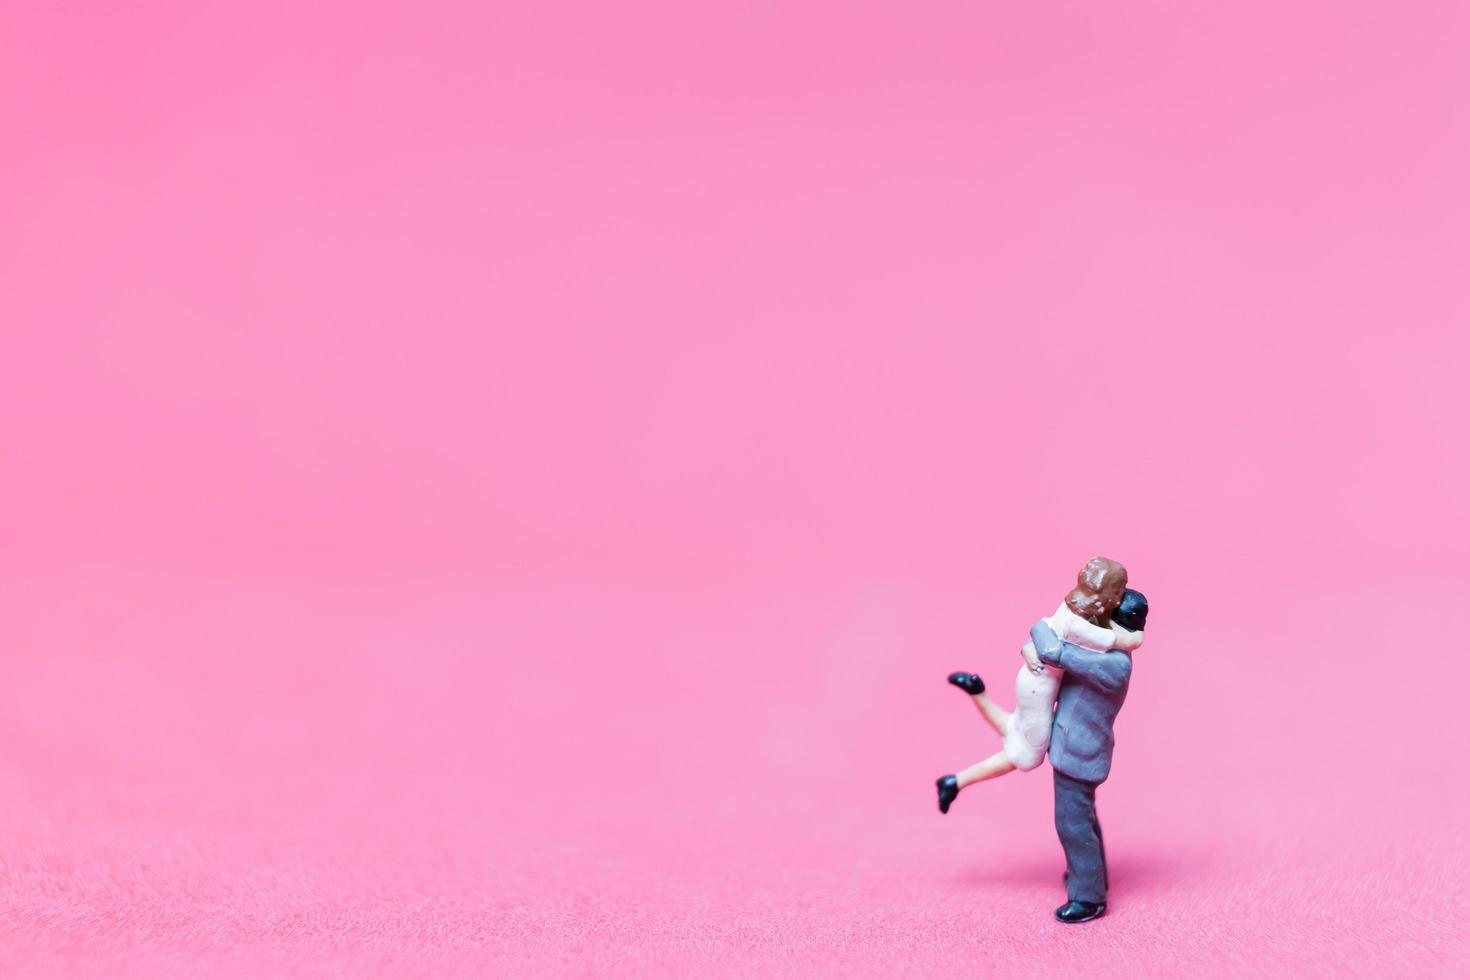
1069, 691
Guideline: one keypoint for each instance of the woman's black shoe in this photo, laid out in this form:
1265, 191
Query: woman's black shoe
949, 788
969, 683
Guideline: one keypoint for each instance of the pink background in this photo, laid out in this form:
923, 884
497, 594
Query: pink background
497, 491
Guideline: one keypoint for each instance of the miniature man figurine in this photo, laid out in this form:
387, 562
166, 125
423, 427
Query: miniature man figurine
1081, 657
1092, 693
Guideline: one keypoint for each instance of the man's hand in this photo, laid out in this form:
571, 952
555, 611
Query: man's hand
1029, 652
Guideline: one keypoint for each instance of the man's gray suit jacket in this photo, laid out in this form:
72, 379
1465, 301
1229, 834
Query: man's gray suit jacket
1091, 694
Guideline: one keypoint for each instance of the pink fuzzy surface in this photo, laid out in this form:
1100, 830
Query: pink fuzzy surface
465, 776
495, 489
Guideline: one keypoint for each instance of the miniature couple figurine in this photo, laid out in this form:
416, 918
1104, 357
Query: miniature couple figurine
1078, 662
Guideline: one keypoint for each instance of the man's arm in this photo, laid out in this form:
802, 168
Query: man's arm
1105, 671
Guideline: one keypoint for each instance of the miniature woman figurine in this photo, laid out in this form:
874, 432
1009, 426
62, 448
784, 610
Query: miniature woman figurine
1027, 730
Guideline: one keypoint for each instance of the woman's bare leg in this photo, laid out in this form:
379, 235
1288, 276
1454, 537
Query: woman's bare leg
949, 786
993, 713
996, 765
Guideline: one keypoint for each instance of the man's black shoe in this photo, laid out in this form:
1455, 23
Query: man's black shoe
969, 683
949, 788
1074, 912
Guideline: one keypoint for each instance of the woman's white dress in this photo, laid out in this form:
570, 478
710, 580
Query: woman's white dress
1028, 733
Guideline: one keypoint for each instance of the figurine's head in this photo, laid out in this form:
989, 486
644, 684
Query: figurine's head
1100, 587
1132, 612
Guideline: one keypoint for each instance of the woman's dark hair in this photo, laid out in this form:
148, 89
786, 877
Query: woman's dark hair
1132, 612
